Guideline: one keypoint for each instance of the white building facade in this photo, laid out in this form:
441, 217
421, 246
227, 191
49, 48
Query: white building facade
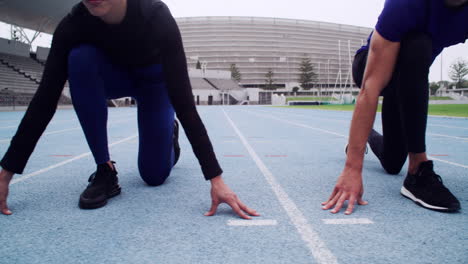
257, 45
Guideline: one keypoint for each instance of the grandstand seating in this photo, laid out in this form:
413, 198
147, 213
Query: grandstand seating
19, 79
200, 84
26, 66
11, 79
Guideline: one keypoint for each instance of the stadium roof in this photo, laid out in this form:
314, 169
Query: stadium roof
40, 15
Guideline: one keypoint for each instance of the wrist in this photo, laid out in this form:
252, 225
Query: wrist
354, 164
216, 180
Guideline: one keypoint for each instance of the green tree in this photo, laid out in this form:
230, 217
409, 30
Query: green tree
235, 73
198, 65
458, 71
307, 75
269, 82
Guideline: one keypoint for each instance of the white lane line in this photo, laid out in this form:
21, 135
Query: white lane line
61, 131
348, 221
27, 176
252, 223
446, 136
449, 162
316, 246
69, 129
333, 133
261, 141
299, 124
349, 122
311, 116
45, 134
465, 128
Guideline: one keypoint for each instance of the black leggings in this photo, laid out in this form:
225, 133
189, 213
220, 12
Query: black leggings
404, 110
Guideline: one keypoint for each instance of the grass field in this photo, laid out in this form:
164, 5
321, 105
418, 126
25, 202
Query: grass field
307, 98
440, 98
460, 110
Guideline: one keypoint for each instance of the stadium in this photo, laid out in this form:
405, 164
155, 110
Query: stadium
255, 45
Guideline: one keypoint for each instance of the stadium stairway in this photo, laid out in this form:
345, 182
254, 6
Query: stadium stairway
24, 66
236, 94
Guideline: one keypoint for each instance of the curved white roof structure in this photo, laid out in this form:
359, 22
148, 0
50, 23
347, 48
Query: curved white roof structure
39, 15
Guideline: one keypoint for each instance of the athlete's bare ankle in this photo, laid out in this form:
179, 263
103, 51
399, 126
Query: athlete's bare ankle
415, 159
111, 165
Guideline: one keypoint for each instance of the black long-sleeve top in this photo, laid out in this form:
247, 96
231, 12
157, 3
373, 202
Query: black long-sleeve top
147, 35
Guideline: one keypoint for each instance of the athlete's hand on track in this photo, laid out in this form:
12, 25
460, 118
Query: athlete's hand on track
348, 188
221, 193
5, 178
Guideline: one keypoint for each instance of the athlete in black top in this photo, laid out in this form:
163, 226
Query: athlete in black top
132, 34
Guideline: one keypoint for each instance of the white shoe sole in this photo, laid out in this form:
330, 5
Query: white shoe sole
409, 195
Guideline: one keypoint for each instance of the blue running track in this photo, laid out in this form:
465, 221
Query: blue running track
282, 162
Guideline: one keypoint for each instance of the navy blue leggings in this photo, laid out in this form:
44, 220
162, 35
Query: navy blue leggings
94, 79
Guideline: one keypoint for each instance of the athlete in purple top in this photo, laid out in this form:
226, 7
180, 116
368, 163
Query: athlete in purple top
395, 63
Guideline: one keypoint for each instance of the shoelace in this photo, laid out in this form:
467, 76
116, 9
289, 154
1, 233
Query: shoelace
94, 179
91, 177
432, 179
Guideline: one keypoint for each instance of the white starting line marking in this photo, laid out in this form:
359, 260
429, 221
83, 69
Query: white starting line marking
348, 221
27, 176
252, 223
316, 246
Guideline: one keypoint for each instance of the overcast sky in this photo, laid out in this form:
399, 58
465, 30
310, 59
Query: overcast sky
352, 12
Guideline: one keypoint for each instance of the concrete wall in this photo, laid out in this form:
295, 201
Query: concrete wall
14, 47
196, 73
253, 95
204, 94
42, 53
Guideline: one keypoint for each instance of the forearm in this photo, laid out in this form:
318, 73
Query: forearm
201, 144
40, 110
361, 124
180, 92
379, 69
33, 124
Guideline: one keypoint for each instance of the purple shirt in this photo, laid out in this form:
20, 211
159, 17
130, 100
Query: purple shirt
446, 26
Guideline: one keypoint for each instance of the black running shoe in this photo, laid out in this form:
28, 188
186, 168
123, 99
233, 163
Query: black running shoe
176, 142
103, 185
426, 189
